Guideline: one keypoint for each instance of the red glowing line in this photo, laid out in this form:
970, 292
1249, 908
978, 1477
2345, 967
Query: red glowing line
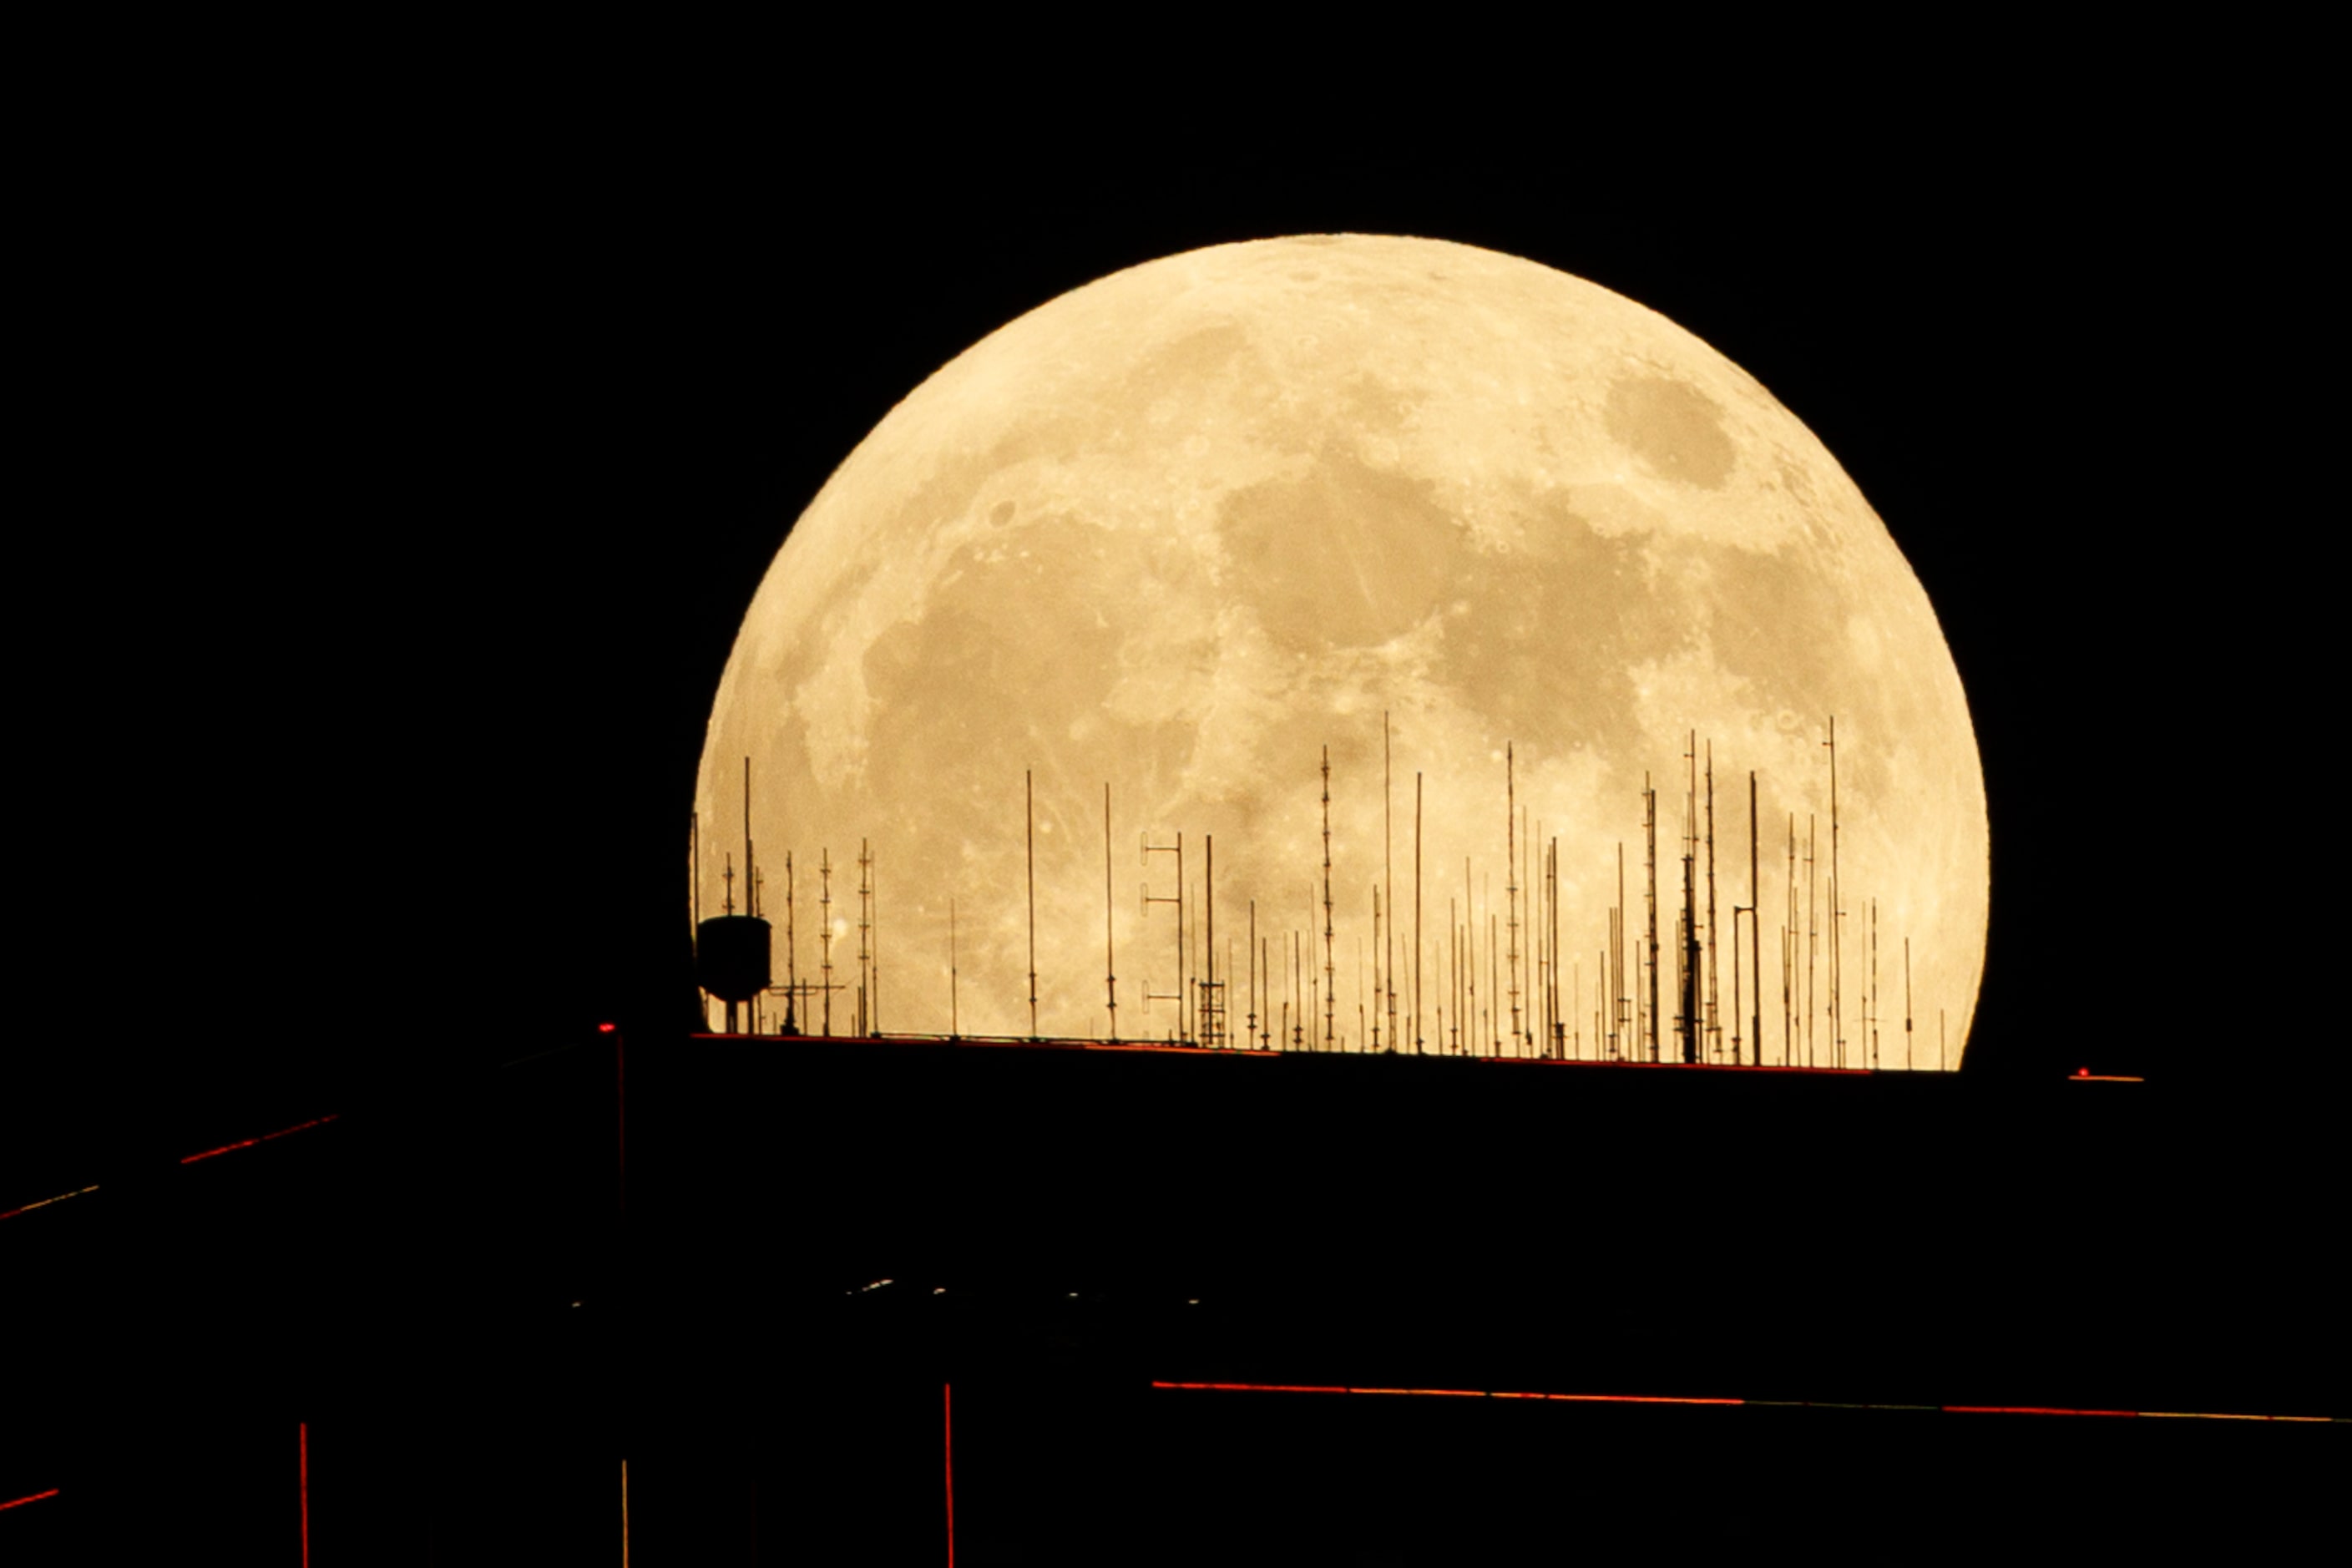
1256, 1387
44, 1203
947, 1434
306, 1494
266, 1137
1640, 1399
19, 1502
2088, 1077
1776, 1404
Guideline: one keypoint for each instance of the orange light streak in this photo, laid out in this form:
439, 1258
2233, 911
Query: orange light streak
1640, 1399
1772, 1404
44, 1203
19, 1502
266, 1137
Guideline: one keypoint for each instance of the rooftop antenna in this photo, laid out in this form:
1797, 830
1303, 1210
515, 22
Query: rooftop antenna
865, 946
1111, 969
1907, 1004
1469, 927
955, 1022
1388, 865
792, 952
1511, 869
1029, 821
1813, 930
1417, 1041
1874, 1014
1714, 977
1177, 996
1373, 1023
1617, 961
1556, 1025
1212, 1019
1331, 997
1686, 952
1788, 958
1650, 825
694, 907
1256, 954
1837, 909
1755, 932
825, 930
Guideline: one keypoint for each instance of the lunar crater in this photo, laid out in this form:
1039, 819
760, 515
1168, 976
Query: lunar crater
1148, 535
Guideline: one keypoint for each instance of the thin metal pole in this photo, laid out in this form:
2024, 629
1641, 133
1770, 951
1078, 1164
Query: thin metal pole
1110, 967
1754, 930
955, 1022
1388, 872
1511, 867
1329, 996
1416, 915
1029, 821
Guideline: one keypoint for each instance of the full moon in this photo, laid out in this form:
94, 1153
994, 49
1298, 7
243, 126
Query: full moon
1490, 537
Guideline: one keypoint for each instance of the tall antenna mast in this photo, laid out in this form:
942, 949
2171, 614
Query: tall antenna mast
1111, 969
1212, 1015
865, 929
1650, 825
825, 930
1373, 1022
694, 907
1813, 930
1754, 930
1387, 871
1511, 889
1557, 1026
955, 1021
1617, 962
1255, 955
1329, 996
1177, 996
1686, 954
1417, 1041
1714, 978
792, 953
1907, 1004
1029, 821
1837, 910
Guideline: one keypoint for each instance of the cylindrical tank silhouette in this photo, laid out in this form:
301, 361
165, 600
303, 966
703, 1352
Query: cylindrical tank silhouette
732, 956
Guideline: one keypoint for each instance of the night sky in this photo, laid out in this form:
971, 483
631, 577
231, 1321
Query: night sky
418, 478
457, 459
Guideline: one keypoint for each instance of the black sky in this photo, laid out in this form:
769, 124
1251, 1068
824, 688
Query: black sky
451, 465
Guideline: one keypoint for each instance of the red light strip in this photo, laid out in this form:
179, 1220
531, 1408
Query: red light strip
1778, 1403
2102, 1077
249, 1142
19, 1502
44, 1203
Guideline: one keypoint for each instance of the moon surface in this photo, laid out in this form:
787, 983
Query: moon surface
1181, 529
